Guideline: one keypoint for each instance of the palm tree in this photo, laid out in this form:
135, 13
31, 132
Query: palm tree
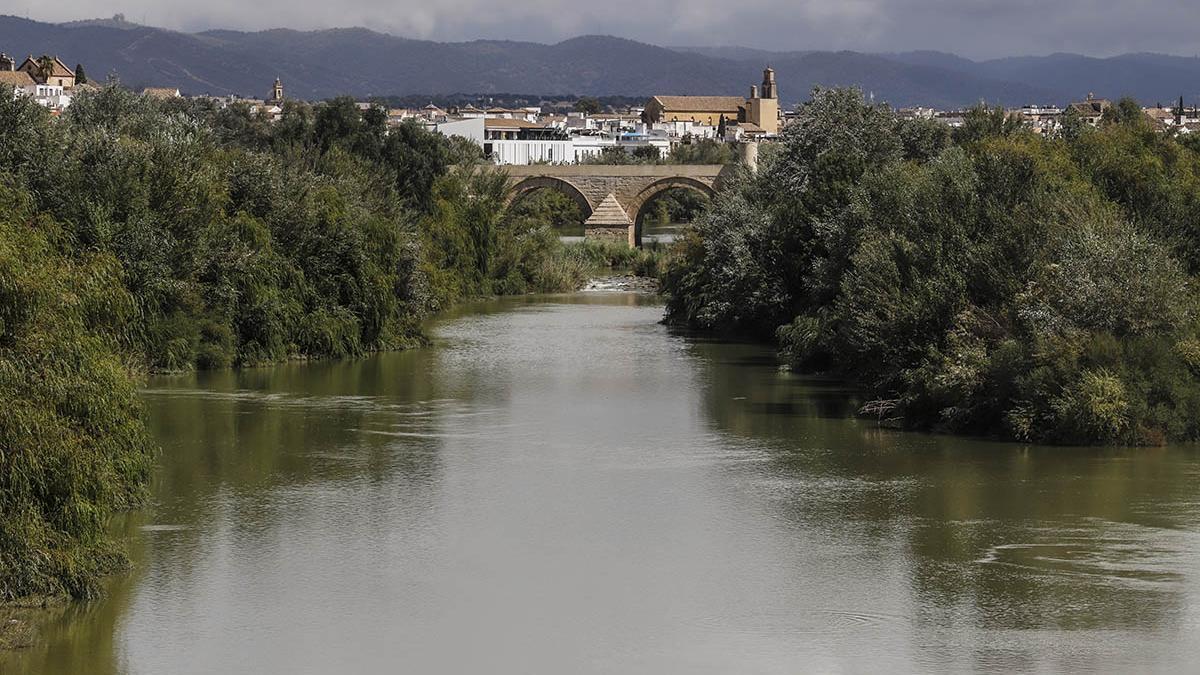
45, 68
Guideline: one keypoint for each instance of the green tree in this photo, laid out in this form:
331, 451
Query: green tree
1126, 112
1071, 124
138, 234
982, 122
45, 67
1001, 283
647, 154
702, 151
549, 208
588, 105
923, 139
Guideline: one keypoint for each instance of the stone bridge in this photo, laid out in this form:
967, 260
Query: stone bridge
612, 197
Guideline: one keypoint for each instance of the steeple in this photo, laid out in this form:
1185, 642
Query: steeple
277, 91
768, 84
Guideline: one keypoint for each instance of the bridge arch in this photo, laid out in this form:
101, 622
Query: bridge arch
530, 184
637, 204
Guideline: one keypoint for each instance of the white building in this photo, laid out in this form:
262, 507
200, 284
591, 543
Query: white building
470, 128
592, 146
530, 152
52, 96
683, 128
512, 141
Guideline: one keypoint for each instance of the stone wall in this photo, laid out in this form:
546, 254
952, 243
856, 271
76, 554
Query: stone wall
619, 234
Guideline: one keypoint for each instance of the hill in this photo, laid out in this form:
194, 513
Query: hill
361, 62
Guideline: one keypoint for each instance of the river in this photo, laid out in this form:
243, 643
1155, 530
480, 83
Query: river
563, 485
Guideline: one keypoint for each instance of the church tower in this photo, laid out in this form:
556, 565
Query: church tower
768, 84
762, 108
277, 92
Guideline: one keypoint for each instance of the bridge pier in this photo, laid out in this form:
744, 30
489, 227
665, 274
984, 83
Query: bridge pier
625, 235
609, 221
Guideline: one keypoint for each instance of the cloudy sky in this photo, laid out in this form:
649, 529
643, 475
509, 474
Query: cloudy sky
974, 28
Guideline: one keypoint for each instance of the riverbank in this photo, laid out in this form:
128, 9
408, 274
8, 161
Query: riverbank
141, 235
561, 480
20, 618
987, 281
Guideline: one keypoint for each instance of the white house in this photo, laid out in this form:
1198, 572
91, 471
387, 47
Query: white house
470, 128
550, 151
52, 96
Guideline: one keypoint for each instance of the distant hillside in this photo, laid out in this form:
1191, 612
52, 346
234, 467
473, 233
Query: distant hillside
360, 62
1058, 78
1149, 78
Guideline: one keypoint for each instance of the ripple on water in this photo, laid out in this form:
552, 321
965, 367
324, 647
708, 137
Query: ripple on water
441, 408
1121, 553
416, 419
807, 622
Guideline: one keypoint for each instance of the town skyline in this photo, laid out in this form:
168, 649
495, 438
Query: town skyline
977, 32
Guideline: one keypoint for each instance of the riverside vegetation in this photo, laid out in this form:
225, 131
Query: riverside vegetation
139, 235
985, 281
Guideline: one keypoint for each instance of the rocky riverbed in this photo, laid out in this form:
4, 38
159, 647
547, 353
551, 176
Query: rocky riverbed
623, 283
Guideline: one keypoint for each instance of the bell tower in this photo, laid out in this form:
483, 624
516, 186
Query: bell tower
768, 83
762, 108
277, 91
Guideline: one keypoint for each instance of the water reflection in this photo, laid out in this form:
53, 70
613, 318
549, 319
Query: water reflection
1017, 556
564, 485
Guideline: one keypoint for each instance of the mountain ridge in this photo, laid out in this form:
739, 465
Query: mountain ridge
318, 64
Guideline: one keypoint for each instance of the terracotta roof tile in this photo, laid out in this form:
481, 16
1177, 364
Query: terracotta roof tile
728, 104
60, 69
161, 92
506, 123
16, 78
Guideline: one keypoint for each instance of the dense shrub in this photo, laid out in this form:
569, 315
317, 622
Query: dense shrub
72, 444
1003, 283
171, 235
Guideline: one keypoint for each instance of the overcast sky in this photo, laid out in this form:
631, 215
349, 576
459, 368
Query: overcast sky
973, 28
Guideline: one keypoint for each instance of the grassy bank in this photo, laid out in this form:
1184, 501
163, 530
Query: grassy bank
648, 261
